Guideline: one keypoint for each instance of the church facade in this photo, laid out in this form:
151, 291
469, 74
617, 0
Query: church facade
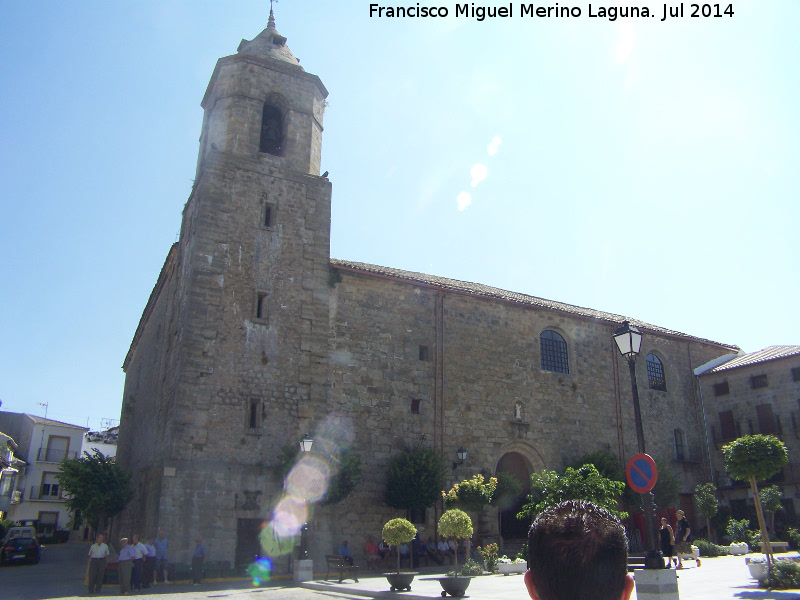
254, 336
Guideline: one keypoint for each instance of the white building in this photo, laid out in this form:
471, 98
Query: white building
42, 444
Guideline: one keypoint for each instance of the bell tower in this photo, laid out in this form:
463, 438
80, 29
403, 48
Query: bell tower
261, 104
230, 360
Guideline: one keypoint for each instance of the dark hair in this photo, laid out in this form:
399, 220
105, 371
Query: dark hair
577, 551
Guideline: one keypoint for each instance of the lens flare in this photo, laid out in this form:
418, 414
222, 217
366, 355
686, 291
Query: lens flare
260, 570
309, 478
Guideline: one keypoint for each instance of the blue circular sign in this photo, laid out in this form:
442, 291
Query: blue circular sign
641, 473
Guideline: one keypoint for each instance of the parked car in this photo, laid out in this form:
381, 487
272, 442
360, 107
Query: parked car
21, 549
19, 532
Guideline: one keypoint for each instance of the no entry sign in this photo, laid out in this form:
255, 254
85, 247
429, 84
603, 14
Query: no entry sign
642, 473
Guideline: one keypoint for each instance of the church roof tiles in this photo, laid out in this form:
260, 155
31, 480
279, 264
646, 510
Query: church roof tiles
486, 291
752, 358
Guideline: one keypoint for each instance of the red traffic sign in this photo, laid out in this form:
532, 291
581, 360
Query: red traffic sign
642, 473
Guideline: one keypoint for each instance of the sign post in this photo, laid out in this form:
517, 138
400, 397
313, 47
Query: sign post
642, 475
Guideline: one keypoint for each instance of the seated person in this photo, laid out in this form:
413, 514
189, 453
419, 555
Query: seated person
420, 550
371, 553
385, 551
344, 552
445, 551
405, 553
433, 551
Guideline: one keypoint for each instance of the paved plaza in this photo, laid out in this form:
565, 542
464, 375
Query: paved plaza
723, 578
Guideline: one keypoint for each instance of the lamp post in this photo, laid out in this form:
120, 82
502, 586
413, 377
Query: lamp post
305, 446
629, 341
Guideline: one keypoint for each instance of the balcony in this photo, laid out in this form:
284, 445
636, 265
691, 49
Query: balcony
53, 456
46, 493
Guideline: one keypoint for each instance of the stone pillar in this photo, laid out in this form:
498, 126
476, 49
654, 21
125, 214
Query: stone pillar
656, 584
303, 570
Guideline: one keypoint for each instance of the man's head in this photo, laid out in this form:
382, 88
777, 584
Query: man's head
578, 551
161, 534
124, 541
100, 538
135, 539
679, 514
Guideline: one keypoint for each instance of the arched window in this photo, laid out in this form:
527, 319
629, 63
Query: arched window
271, 131
655, 373
554, 352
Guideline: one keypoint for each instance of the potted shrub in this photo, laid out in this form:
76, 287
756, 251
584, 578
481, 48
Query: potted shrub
758, 566
456, 525
395, 533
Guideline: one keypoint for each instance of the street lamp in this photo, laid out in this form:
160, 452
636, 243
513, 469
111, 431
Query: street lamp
629, 341
462, 457
305, 446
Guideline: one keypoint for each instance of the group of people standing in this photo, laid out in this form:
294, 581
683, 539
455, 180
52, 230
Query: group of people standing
678, 541
138, 563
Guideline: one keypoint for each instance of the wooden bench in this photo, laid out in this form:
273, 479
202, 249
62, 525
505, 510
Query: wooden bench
338, 564
777, 546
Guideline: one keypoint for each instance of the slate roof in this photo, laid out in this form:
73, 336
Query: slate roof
489, 292
753, 358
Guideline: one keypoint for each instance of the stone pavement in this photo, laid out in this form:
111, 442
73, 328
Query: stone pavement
723, 578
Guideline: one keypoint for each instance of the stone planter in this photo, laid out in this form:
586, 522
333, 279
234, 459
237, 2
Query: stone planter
455, 586
400, 581
739, 549
758, 570
510, 568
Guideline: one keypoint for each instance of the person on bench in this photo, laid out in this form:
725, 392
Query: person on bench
371, 553
577, 550
344, 552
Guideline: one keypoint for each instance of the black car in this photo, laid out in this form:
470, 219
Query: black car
21, 549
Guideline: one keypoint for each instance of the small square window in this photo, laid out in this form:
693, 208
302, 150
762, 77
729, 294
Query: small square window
758, 381
268, 215
796, 374
416, 407
423, 353
262, 305
253, 421
721, 389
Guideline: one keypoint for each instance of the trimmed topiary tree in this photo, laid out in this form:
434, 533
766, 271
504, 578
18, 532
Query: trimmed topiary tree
397, 532
455, 524
753, 458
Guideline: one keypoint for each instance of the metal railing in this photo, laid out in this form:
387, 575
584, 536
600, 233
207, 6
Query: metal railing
44, 493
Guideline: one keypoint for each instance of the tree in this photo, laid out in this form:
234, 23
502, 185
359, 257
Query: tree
472, 494
771, 501
347, 477
548, 489
397, 532
96, 486
668, 487
414, 480
754, 458
507, 491
456, 525
705, 496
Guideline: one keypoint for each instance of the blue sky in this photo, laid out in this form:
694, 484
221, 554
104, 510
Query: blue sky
640, 167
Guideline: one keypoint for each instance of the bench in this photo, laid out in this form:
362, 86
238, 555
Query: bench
777, 546
338, 564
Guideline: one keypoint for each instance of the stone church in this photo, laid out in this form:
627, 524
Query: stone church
254, 336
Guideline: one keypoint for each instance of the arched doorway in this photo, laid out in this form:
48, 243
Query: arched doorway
512, 528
